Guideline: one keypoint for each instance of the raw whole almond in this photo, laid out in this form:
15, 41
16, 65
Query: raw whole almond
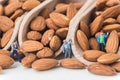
60, 19
118, 19
5, 61
116, 66
112, 3
38, 24
34, 35
112, 42
28, 60
111, 12
1, 10
92, 55
16, 14
93, 44
78, 5
108, 58
82, 40
45, 53
55, 43
10, 8
51, 24
30, 4
6, 37
96, 25
45, 13
71, 11
111, 27
4, 52
30, 46
100, 4
109, 21
85, 28
100, 69
62, 32
5, 23
72, 64
47, 36
44, 64
13, 1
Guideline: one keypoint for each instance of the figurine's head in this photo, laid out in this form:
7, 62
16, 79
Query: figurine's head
64, 41
101, 32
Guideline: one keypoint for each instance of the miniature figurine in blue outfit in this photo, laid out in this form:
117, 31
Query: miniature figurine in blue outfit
67, 49
14, 48
101, 39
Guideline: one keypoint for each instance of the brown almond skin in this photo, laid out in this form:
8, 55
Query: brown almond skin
92, 55
28, 60
93, 44
45, 53
118, 19
100, 69
30, 4
109, 21
38, 27
6, 37
1, 10
45, 13
108, 58
30, 46
34, 35
5, 23
47, 36
72, 64
112, 3
100, 4
116, 66
55, 43
5, 52
5, 61
62, 32
44, 64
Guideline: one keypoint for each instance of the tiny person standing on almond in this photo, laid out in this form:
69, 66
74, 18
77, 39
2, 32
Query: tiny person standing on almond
101, 39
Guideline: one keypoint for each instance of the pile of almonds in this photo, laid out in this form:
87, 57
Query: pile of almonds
45, 36
106, 18
9, 12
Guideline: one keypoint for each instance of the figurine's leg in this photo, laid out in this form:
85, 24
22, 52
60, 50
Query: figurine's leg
12, 54
19, 59
65, 54
102, 47
69, 54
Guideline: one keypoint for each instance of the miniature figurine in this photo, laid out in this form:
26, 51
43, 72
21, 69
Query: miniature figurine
14, 48
67, 49
101, 39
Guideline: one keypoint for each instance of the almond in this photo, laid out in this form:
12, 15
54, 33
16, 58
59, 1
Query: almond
45, 53
10, 8
38, 24
51, 24
112, 42
100, 4
1, 10
99, 69
62, 32
92, 55
96, 25
12, 1
108, 58
30, 46
28, 60
72, 64
5, 61
111, 12
5, 23
78, 5
47, 36
55, 43
44, 64
93, 44
60, 19
116, 66
45, 13
112, 3
5, 52
6, 37
16, 14
118, 19
82, 40
109, 21
34, 35
30, 4
71, 11
85, 28
111, 27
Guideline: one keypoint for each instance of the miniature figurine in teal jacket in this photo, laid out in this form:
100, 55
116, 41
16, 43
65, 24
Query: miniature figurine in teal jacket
101, 39
67, 49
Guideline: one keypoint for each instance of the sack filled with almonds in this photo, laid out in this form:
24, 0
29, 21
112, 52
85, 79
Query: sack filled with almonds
43, 35
98, 37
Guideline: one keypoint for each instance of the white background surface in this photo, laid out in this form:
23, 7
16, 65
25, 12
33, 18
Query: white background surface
18, 72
